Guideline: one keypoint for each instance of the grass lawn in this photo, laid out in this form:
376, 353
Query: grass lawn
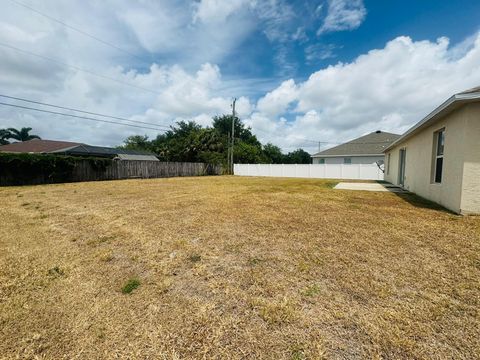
234, 268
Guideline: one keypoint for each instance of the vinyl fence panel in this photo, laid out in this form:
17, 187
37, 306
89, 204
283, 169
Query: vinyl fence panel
317, 171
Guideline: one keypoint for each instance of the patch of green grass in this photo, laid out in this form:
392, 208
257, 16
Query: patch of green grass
312, 290
297, 354
331, 184
131, 285
56, 271
194, 258
254, 261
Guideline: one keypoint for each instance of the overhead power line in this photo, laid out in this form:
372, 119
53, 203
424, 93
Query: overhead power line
82, 111
80, 31
79, 116
58, 62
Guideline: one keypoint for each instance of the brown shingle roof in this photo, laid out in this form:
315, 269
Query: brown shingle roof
371, 144
38, 146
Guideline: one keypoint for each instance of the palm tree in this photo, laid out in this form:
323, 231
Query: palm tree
22, 134
4, 136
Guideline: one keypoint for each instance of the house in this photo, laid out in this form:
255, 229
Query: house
439, 157
37, 146
366, 149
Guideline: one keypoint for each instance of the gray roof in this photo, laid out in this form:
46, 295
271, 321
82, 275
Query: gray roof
454, 102
88, 150
371, 144
137, 157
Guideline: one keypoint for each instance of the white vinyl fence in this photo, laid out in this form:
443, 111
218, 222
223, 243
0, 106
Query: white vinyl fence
318, 171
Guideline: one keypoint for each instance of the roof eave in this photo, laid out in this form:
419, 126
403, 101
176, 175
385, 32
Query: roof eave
443, 110
344, 155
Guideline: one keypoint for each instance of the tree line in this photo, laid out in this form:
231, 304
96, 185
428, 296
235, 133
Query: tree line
191, 142
19, 135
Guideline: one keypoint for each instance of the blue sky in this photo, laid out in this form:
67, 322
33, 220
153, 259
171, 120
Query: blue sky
303, 71
384, 20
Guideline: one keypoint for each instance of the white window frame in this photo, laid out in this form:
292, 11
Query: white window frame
387, 165
436, 155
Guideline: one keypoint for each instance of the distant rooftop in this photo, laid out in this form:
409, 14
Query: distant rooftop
70, 148
371, 144
38, 146
83, 149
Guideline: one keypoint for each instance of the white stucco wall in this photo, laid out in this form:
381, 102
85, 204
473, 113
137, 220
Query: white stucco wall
355, 159
461, 161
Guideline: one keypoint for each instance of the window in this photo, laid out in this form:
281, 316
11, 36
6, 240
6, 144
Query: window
388, 164
347, 161
321, 161
439, 141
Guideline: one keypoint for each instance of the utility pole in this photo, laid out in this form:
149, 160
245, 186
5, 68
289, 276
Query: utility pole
228, 152
319, 146
233, 133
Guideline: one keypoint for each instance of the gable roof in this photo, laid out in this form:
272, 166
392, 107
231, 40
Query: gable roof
89, 150
73, 148
371, 144
451, 104
38, 146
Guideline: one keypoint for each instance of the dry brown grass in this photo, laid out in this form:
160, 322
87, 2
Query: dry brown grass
234, 268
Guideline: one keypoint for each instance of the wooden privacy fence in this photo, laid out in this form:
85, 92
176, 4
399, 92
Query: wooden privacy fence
84, 170
318, 171
132, 169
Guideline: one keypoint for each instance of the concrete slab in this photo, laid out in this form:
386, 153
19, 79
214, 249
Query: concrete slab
369, 187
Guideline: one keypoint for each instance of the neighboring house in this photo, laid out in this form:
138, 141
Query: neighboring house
37, 146
439, 158
118, 154
367, 149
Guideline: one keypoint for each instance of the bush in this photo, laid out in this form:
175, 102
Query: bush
31, 169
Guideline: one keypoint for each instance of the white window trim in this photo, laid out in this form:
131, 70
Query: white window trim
436, 156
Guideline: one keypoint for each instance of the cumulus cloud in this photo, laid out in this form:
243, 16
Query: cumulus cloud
277, 101
389, 89
343, 15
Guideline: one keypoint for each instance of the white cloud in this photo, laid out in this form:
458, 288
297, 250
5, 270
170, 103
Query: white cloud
217, 11
343, 15
388, 89
317, 52
277, 101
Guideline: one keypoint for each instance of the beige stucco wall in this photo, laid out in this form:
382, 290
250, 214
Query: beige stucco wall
470, 203
460, 155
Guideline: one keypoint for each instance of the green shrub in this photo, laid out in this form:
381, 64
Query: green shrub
131, 285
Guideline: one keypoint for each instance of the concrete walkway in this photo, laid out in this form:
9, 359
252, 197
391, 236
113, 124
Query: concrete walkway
369, 187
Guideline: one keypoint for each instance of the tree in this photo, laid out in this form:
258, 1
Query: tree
4, 136
245, 153
223, 124
137, 142
23, 134
298, 156
273, 154
190, 142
